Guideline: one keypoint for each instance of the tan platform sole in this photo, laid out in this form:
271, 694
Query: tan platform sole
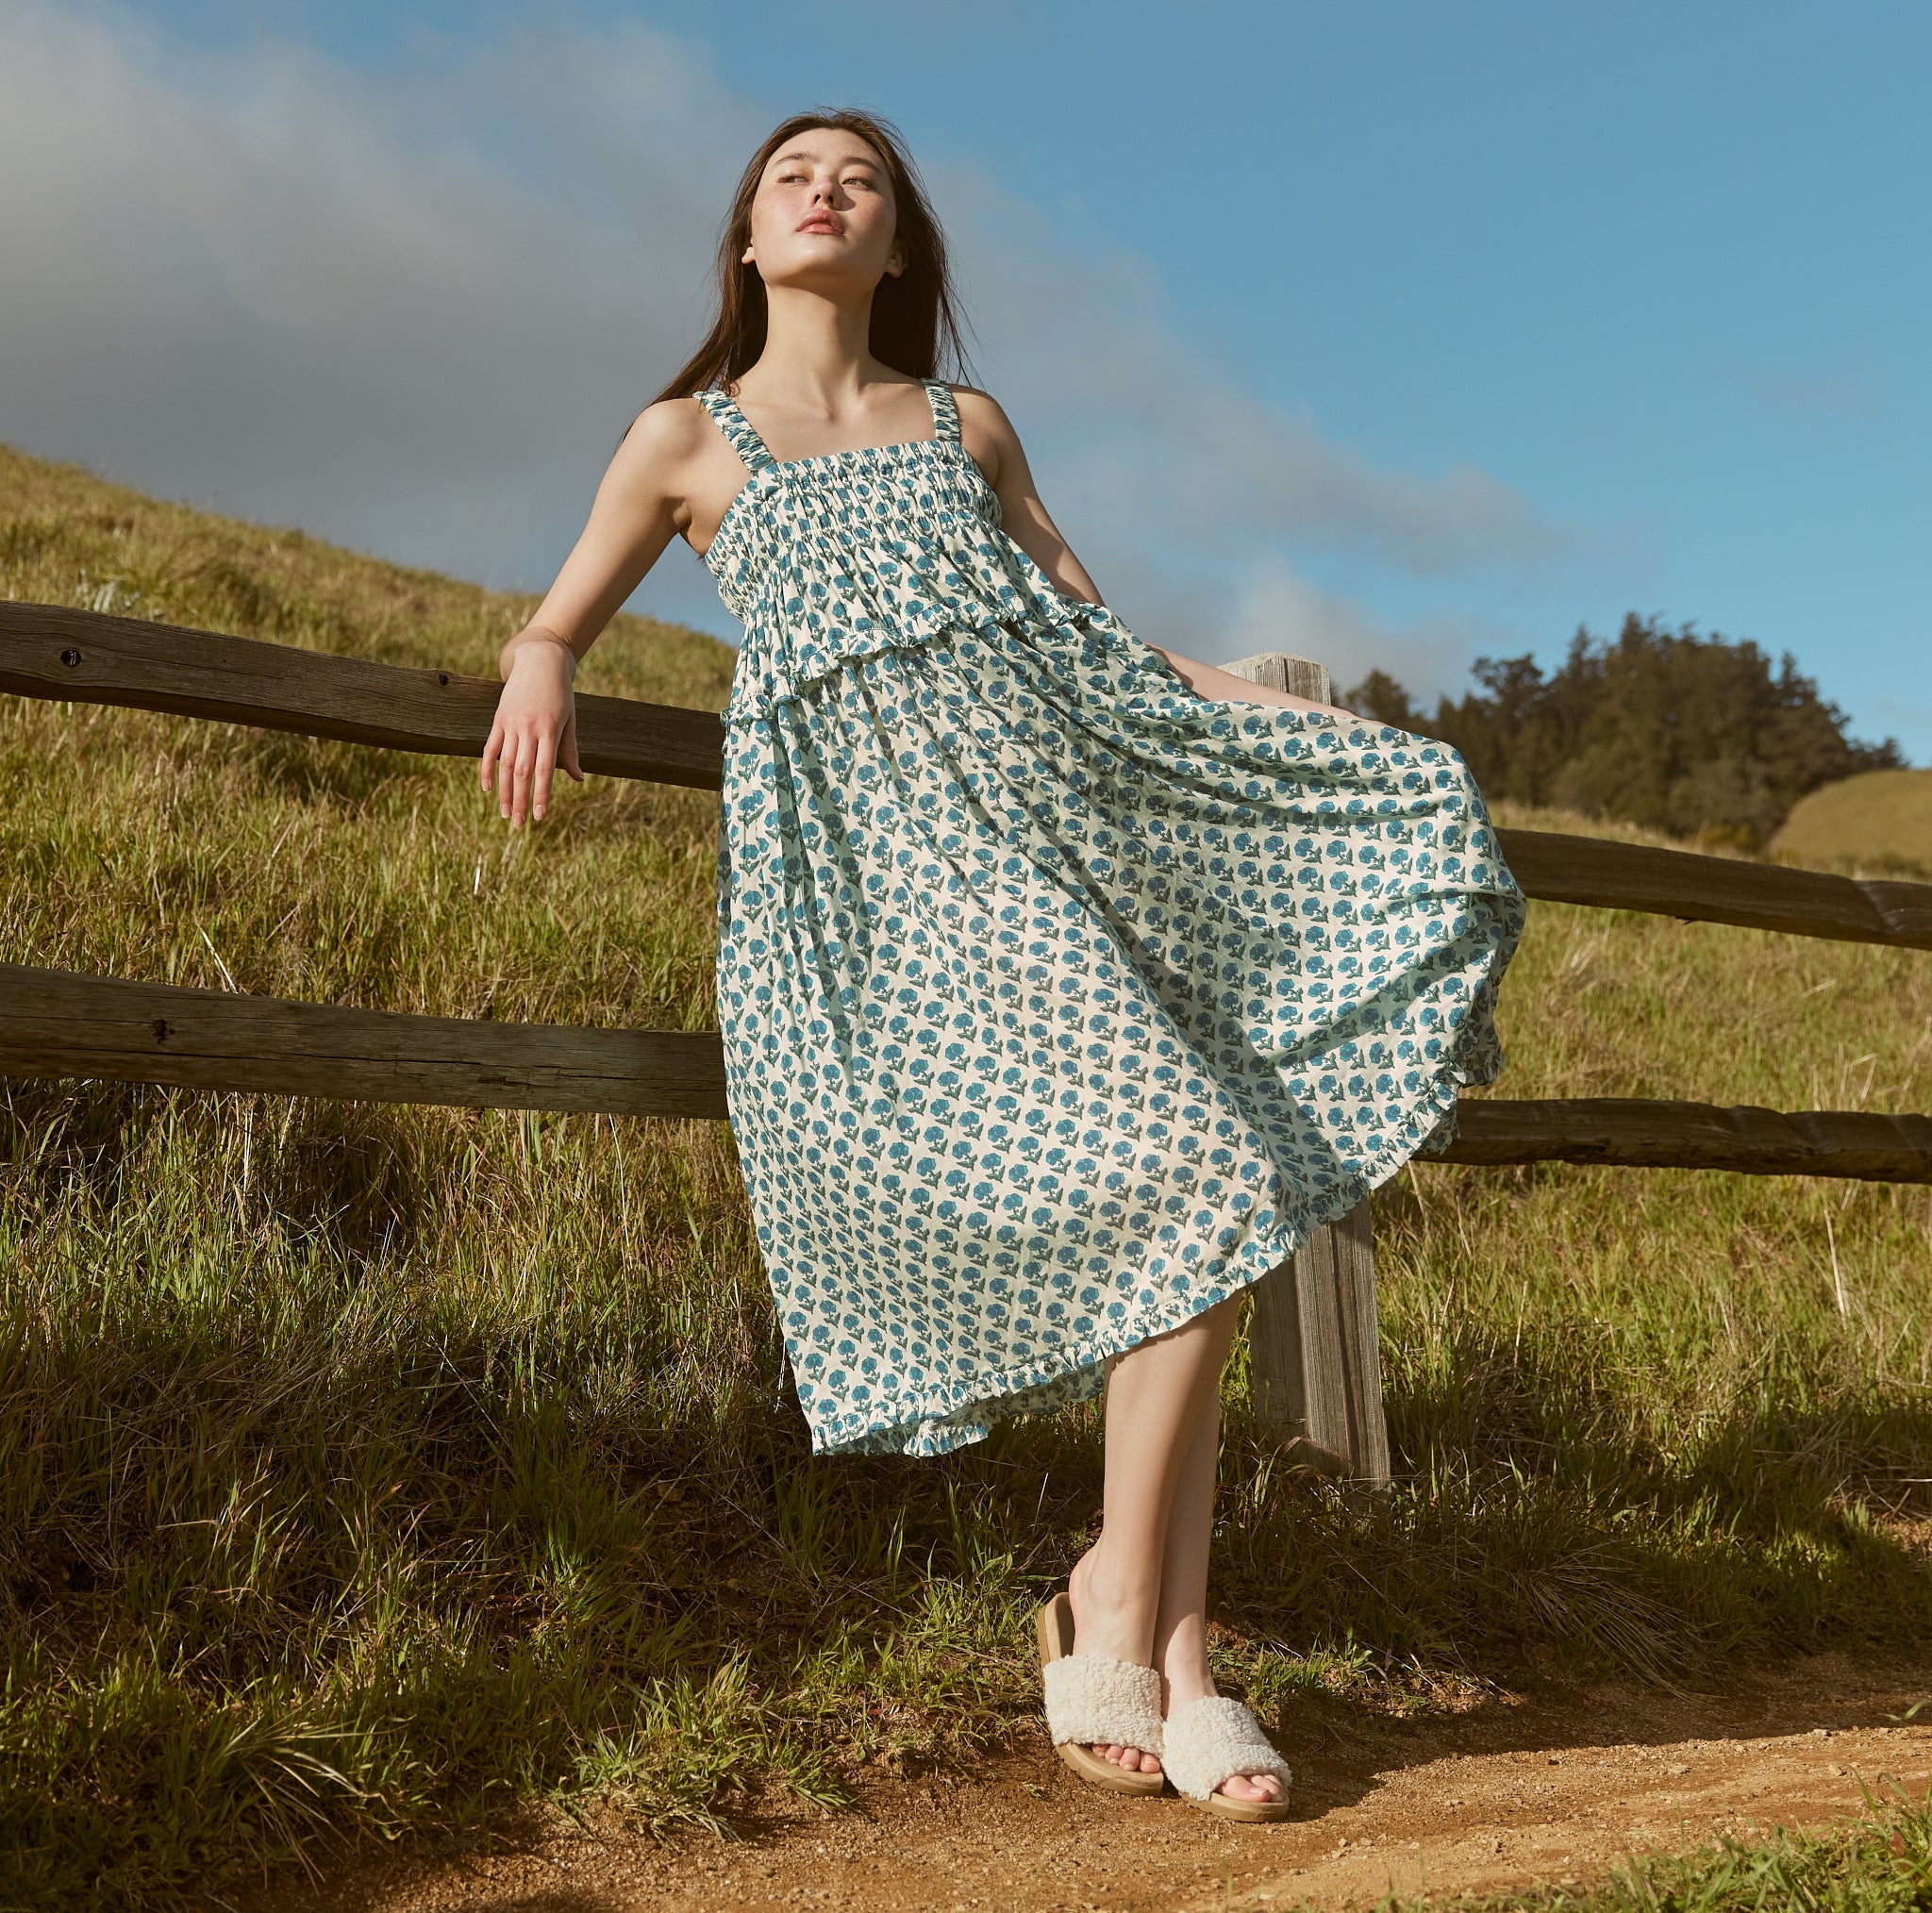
1250, 1810
1055, 1629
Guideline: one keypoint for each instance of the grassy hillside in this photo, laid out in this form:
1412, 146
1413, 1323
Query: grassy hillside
1879, 821
371, 1469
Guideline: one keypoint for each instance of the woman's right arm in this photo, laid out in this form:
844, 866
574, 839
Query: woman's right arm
639, 506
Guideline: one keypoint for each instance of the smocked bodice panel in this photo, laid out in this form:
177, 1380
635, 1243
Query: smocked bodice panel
831, 557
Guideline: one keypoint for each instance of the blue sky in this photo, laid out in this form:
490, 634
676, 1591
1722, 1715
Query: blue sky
1524, 315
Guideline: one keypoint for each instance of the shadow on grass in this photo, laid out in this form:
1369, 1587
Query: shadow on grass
305, 1526
378, 1561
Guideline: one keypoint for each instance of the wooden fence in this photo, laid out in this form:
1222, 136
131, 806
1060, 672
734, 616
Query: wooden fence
1314, 1349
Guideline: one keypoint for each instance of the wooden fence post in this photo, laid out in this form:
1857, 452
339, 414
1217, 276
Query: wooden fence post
1314, 1348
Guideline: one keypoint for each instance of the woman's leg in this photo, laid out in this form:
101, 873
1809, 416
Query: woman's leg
1157, 1394
1180, 1628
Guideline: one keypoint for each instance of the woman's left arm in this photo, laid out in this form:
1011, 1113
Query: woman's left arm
994, 447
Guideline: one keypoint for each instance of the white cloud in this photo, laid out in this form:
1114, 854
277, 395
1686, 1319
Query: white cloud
412, 311
1275, 608
1087, 338
262, 286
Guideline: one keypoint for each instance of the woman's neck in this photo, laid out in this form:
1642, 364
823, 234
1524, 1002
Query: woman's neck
816, 356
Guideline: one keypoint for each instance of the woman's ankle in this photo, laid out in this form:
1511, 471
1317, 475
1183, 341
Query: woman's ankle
1181, 1657
1184, 1683
1113, 1612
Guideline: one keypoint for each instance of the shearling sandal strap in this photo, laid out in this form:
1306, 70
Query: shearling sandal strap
1095, 1702
1212, 1739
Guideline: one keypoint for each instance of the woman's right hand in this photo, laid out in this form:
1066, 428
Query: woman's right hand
536, 727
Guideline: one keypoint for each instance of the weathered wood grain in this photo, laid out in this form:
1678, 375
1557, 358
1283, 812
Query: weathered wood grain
57, 1022
1635, 1133
53, 651
1314, 1353
54, 1023
49, 651
1717, 889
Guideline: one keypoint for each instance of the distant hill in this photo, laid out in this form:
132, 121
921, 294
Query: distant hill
1881, 821
69, 537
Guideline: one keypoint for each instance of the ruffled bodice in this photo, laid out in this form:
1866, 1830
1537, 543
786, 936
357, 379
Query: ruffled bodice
832, 557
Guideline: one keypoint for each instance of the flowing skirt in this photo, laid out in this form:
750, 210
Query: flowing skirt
1060, 1003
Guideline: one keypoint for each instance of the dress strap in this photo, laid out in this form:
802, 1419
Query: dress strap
737, 428
945, 413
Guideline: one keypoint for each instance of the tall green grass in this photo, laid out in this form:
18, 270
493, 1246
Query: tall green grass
372, 1469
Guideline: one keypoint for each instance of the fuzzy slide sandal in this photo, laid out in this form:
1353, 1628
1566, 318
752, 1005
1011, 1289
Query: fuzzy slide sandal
1212, 1739
1094, 1701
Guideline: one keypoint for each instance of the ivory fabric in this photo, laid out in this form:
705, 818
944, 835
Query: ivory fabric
1095, 1702
1214, 1738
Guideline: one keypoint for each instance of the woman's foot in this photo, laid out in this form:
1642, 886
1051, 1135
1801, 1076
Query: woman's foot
1109, 1620
1185, 1679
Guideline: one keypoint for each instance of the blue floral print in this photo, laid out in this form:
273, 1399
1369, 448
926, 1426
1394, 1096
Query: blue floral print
1058, 1002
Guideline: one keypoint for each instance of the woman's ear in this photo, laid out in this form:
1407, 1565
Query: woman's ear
895, 263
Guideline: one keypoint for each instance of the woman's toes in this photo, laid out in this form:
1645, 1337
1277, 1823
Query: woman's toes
1258, 1786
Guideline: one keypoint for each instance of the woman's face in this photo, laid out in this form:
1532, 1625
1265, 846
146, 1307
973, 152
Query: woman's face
823, 218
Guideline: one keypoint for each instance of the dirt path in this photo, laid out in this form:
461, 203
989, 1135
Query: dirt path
1519, 1792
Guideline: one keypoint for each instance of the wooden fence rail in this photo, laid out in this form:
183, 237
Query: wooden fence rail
47, 651
57, 1023
1316, 1360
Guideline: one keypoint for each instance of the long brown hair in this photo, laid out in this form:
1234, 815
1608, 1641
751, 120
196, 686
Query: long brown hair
915, 327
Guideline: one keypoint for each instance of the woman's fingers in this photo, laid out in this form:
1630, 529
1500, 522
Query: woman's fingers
545, 765
516, 779
534, 730
526, 788
526, 777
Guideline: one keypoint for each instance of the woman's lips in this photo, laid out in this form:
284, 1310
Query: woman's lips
822, 224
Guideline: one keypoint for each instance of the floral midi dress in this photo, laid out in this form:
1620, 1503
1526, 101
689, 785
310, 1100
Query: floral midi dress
1058, 1002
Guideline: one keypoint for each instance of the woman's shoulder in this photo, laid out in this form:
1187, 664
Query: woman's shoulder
977, 406
973, 394
669, 425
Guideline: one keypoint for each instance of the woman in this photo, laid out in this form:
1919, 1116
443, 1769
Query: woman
1066, 983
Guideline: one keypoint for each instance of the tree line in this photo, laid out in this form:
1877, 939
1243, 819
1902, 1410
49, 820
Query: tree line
1694, 736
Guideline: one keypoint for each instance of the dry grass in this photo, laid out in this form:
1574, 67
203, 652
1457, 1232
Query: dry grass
1881, 822
374, 1467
